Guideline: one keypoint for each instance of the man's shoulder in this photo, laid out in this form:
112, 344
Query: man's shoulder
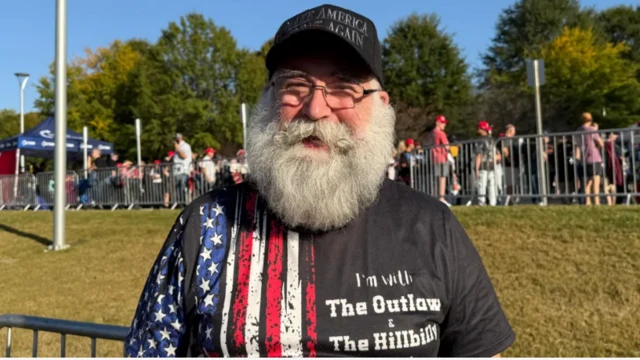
223, 198
396, 195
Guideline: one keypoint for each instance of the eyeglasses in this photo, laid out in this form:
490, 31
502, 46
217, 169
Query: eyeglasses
294, 91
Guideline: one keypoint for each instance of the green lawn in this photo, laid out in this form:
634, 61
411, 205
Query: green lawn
568, 277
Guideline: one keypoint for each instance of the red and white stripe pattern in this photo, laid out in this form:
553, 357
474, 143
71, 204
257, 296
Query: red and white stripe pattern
269, 305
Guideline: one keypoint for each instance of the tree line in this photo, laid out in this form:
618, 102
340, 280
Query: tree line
195, 76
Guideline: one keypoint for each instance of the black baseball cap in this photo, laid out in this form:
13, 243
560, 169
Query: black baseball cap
342, 25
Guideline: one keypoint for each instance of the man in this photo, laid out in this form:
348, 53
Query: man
406, 158
439, 152
317, 254
588, 146
511, 154
485, 164
238, 167
208, 168
181, 166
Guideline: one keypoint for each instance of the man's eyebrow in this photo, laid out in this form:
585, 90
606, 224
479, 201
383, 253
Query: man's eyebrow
347, 77
288, 73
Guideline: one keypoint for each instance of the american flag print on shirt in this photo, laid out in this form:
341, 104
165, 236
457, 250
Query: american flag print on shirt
231, 280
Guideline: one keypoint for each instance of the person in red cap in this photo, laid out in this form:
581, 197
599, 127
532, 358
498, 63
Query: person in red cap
318, 253
238, 167
439, 155
486, 159
406, 158
209, 169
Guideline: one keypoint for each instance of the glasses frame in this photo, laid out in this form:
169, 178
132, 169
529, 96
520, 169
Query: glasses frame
313, 87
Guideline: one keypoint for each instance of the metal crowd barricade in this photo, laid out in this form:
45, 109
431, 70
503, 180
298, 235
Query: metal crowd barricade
103, 188
454, 163
46, 189
62, 327
18, 191
571, 171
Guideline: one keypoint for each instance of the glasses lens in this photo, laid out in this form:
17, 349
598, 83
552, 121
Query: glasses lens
343, 95
292, 91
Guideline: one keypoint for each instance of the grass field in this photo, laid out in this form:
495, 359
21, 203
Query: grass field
568, 277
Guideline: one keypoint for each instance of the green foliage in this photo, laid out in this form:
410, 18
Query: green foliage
192, 81
424, 73
523, 29
585, 75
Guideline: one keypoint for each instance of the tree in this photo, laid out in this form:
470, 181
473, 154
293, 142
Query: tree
522, 30
621, 25
94, 82
584, 74
424, 74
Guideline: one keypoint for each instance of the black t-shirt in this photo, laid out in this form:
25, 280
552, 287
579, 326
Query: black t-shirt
101, 163
402, 279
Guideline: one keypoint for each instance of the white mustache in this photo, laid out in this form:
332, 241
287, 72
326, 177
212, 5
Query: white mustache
336, 136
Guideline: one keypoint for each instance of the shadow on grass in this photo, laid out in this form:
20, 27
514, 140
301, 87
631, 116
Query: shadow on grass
37, 238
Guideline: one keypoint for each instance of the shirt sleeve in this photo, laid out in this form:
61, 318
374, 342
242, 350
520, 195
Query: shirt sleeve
158, 326
442, 138
476, 325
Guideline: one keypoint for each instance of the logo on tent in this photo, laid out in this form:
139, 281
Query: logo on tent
47, 134
103, 147
48, 144
28, 143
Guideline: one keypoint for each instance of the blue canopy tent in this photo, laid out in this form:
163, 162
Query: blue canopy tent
39, 142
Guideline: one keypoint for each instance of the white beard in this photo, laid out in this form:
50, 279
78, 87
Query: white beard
311, 189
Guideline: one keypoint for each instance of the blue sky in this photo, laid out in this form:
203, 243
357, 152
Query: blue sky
27, 27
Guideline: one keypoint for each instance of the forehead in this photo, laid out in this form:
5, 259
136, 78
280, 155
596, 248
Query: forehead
321, 56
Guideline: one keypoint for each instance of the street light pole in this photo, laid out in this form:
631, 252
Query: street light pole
60, 164
22, 80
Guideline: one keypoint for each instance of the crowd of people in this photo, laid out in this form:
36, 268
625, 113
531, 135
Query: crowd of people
181, 176
587, 167
584, 165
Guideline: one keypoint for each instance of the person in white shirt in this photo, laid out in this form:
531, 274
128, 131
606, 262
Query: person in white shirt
181, 166
208, 167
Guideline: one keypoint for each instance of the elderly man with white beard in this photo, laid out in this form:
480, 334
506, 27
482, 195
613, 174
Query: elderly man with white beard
318, 254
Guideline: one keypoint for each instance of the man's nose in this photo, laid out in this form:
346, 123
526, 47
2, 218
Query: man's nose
316, 107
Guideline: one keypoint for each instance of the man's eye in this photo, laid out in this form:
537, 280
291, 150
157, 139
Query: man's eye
296, 85
343, 89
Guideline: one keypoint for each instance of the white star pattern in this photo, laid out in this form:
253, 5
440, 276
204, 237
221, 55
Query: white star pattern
152, 344
217, 239
208, 300
213, 268
205, 286
157, 325
206, 254
218, 210
171, 350
209, 223
160, 315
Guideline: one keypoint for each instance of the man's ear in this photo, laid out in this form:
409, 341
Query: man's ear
384, 96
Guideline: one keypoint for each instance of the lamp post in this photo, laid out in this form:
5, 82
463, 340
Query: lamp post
22, 80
